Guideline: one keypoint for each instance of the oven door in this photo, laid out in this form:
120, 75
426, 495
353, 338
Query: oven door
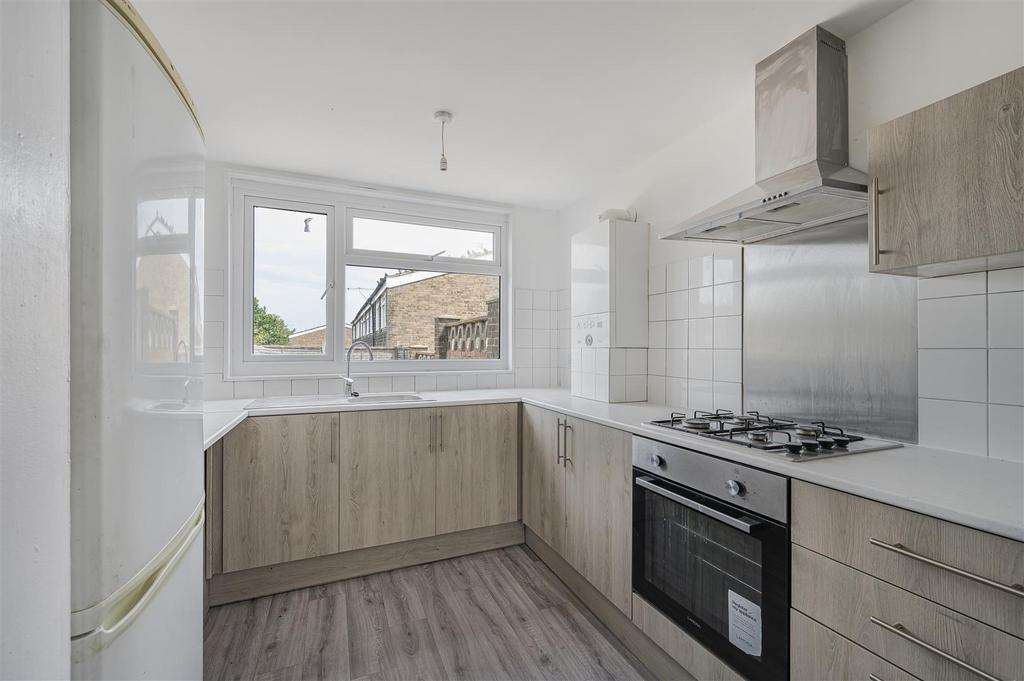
719, 571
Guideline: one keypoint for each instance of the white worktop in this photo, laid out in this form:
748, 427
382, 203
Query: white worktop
980, 492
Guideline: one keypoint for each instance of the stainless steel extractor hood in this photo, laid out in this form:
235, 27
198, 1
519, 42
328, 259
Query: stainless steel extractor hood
801, 150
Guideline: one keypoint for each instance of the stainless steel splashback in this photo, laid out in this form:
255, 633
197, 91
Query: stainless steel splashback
823, 338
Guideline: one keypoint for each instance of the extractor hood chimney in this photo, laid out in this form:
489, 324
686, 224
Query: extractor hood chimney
801, 150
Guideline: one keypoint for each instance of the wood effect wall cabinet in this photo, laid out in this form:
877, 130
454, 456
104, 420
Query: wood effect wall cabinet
279, 490
947, 192
599, 508
544, 475
477, 451
388, 477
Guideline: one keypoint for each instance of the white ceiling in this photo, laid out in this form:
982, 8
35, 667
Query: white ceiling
549, 98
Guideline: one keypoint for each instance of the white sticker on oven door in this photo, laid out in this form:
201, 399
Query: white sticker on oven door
744, 624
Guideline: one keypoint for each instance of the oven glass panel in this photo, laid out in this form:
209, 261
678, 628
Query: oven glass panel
727, 587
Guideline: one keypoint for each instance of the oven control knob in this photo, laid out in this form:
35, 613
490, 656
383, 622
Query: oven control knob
735, 488
657, 461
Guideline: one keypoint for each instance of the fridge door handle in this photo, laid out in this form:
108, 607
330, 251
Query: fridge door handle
111, 616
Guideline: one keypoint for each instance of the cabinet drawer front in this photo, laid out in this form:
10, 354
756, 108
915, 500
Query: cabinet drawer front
819, 654
876, 538
913, 633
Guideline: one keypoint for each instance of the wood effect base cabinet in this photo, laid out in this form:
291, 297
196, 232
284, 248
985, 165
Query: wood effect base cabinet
947, 192
279, 501
577, 497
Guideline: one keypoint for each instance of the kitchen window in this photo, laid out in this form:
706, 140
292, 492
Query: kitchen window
422, 285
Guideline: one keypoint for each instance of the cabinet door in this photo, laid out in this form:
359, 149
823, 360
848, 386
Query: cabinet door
543, 476
388, 472
477, 466
951, 179
280, 490
599, 508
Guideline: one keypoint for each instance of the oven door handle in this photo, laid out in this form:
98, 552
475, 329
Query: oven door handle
739, 522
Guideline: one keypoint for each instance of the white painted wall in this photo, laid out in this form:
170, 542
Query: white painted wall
34, 341
921, 53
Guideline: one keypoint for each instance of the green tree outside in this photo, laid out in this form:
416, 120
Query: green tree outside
267, 327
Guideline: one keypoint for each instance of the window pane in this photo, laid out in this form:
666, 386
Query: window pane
289, 282
412, 314
411, 239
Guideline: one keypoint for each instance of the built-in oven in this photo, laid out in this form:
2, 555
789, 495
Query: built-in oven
711, 552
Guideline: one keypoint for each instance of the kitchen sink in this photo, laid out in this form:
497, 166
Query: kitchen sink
386, 398
327, 400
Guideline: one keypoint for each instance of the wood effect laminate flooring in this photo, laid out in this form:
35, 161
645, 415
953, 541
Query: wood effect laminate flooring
485, 617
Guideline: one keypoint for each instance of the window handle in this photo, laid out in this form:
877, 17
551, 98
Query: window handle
330, 285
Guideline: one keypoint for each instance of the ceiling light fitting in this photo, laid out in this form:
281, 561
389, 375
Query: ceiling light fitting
445, 117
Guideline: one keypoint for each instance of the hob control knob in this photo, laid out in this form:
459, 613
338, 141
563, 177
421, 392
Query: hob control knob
657, 461
735, 488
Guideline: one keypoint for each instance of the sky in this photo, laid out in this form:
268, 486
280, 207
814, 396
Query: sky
290, 264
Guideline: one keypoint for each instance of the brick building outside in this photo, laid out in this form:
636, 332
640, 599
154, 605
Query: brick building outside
431, 315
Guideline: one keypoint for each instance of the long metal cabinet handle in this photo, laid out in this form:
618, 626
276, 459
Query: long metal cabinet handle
873, 221
1015, 589
566, 429
335, 435
440, 431
558, 442
743, 524
872, 677
433, 433
902, 632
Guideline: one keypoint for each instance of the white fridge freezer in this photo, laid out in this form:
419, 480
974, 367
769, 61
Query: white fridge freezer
137, 183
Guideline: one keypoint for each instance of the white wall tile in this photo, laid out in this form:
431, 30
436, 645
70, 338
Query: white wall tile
467, 381
656, 389
524, 357
656, 334
213, 334
425, 383
728, 333
676, 393
675, 363
656, 362
486, 381
636, 361
636, 388
728, 365
524, 299
597, 386
381, 384
951, 322
216, 388
1006, 376
277, 388
677, 333
541, 300
700, 395
213, 282
524, 338
305, 386
700, 364
542, 357
449, 382
541, 338
617, 388
702, 271
506, 379
564, 296
952, 374
956, 285
405, 383
656, 308
728, 266
541, 319
956, 426
541, 378
1006, 280
361, 384
728, 396
213, 360
213, 308
524, 319
728, 299
248, 389
702, 333
1006, 320
330, 386
524, 378
677, 276
1006, 432
676, 304
702, 302
617, 362
656, 279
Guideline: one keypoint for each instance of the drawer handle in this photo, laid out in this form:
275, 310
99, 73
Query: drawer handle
902, 632
872, 677
1016, 589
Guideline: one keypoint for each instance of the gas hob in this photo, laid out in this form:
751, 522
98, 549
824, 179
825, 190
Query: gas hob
780, 437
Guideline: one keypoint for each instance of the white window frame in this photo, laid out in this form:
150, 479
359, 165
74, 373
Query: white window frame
341, 207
